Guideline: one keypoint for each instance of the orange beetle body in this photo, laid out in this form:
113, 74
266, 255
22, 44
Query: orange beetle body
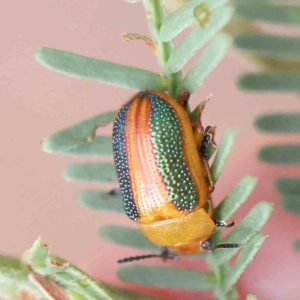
163, 176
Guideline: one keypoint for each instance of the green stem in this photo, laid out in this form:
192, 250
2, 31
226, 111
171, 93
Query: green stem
219, 272
64, 274
155, 11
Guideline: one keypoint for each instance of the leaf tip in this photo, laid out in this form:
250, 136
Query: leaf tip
107, 231
80, 199
123, 271
41, 243
297, 245
251, 178
242, 81
265, 154
268, 204
233, 130
67, 173
259, 122
39, 54
47, 145
251, 297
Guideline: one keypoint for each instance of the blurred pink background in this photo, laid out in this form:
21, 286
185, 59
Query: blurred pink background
36, 102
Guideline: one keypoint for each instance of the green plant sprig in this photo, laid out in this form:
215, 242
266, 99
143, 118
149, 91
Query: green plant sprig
39, 275
279, 57
163, 49
81, 140
172, 59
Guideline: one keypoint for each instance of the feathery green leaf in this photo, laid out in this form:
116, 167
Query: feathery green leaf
252, 2
206, 63
100, 70
251, 297
64, 274
279, 123
101, 200
269, 44
197, 39
182, 18
235, 198
19, 278
291, 203
123, 294
297, 245
165, 277
92, 172
244, 231
280, 154
244, 259
289, 15
81, 139
14, 279
128, 237
288, 185
279, 81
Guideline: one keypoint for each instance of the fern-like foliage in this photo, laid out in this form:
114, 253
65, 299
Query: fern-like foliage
81, 140
39, 275
279, 57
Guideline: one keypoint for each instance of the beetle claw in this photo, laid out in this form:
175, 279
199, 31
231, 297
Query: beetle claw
223, 224
211, 131
166, 254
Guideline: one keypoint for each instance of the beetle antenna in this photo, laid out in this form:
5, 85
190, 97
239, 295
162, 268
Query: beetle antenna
165, 255
139, 257
226, 246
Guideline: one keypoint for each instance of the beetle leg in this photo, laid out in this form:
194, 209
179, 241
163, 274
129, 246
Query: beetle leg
197, 126
183, 98
199, 110
209, 207
115, 191
166, 254
223, 224
198, 129
209, 176
208, 138
203, 138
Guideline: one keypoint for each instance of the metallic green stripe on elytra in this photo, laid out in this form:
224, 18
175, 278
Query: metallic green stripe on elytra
167, 142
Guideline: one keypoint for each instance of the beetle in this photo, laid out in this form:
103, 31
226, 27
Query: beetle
163, 172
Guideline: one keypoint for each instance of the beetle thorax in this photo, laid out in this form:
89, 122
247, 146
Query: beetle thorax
183, 234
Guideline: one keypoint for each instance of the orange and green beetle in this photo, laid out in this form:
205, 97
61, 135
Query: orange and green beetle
164, 176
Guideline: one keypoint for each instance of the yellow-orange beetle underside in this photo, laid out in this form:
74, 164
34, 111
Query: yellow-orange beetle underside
162, 174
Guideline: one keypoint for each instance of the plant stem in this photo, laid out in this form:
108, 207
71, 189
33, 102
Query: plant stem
218, 271
156, 14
